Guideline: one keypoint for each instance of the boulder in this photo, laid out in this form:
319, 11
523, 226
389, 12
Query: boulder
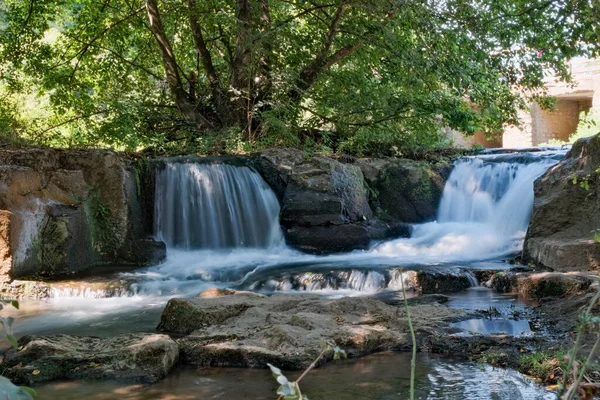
324, 203
132, 358
405, 191
327, 205
288, 330
540, 285
64, 211
565, 212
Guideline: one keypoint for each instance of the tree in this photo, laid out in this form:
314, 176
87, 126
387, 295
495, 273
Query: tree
351, 67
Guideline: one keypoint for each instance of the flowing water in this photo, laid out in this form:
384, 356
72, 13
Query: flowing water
383, 376
220, 223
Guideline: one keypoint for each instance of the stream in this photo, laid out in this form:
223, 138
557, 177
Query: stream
482, 219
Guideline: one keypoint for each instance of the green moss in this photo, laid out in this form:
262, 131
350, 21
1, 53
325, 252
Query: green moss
101, 224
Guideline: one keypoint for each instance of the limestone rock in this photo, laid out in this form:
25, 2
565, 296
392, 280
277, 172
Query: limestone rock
288, 330
566, 212
132, 358
540, 285
63, 211
324, 203
408, 191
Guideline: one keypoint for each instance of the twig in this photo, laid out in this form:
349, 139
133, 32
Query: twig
413, 360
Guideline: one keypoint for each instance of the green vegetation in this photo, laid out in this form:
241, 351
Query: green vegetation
379, 77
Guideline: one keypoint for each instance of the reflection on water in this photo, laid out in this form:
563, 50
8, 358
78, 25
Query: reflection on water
379, 376
495, 326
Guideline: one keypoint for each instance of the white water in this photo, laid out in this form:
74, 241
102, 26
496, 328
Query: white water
483, 215
484, 212
214, 206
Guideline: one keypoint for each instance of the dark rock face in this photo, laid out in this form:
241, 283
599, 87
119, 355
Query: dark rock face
327, 206
406, 191
132, 358
64, 211
249, 330
324, 203
566, 212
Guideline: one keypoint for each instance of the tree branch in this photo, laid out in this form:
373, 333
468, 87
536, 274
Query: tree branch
86, 47
171, 68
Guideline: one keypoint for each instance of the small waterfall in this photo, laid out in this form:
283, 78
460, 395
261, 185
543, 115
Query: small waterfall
484, 211
494, 190
214, 206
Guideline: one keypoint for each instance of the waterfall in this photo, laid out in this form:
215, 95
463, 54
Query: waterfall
214, 206
484, 211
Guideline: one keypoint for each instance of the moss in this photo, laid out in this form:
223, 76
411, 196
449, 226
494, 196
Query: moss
101, 223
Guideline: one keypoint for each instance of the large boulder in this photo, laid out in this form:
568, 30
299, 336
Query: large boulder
566, 212
132, 358
288, 330
63, 211
327, 205
324, 203
405, 191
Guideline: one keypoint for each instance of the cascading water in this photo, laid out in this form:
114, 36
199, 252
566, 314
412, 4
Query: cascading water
484, 211
214, 206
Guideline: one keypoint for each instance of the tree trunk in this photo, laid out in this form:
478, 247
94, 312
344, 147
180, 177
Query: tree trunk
241, 70
182, 100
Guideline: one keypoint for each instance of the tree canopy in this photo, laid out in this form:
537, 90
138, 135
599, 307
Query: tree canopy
358, 76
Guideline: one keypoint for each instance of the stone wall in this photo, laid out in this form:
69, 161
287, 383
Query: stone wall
64, 211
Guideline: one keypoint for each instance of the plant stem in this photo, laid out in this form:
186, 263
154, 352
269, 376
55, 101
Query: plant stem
312, 365
576, 345
575, 385
413, 360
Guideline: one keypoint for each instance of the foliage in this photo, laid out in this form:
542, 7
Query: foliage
345, 75
291, 390
574, 370
544, 365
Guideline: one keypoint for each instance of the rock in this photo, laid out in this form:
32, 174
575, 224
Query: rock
324, 203
443, 281
288, 330
540, 285
406, 191
428, 281
565, 212
328, 239
182, 316
133, 358
396, 298
65, 211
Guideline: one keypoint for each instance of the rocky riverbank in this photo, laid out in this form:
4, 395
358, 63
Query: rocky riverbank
224, 327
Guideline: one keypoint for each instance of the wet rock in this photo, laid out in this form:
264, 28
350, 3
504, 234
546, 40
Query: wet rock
132, 358
288, 330
565, 212
406, 191
443, 281
539, 285
65, 211
328, 239
25, 290
396, 298
476, 346
324, 203
428, 281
